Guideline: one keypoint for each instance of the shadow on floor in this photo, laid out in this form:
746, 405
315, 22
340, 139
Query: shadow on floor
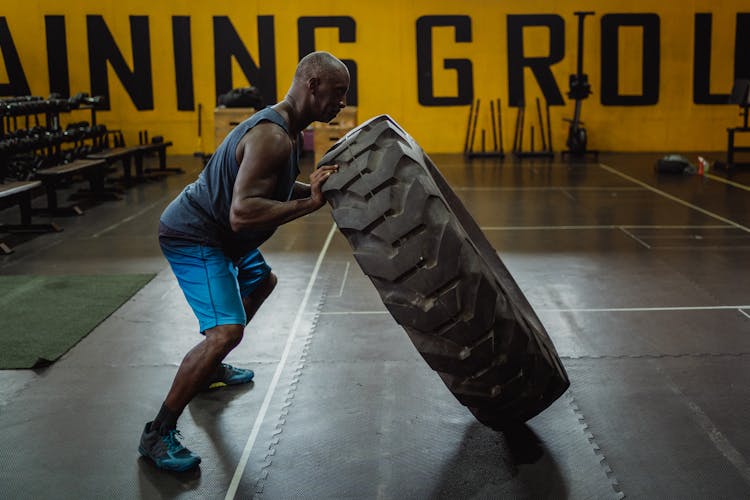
509, 464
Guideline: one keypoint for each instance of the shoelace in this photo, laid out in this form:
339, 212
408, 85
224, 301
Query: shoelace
173, 445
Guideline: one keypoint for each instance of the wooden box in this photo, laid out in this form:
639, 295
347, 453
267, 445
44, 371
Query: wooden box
325, 135
225, 119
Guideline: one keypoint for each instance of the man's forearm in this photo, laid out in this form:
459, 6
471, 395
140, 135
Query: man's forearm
262, 213
300, 190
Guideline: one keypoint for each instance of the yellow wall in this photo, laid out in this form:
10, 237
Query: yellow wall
385, 53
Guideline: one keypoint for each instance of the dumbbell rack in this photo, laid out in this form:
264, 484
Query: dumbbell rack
35, 146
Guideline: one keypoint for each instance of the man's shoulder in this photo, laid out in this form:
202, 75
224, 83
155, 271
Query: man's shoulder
267, 141
267, 134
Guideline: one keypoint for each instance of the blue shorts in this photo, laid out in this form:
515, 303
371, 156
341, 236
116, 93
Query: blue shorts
213, 285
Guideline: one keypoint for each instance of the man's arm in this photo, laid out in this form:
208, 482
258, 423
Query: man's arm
262, 154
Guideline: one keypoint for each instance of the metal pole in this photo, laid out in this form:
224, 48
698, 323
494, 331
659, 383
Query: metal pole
494, 131
468, 128
500, 125
474, 127
541, 124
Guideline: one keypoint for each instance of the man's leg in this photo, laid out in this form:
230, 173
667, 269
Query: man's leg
256, 281
252, 302
230, 375
260, 286
209, 280
201, 363
159, 439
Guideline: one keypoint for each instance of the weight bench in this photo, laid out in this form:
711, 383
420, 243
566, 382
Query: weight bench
124, 155
19, 192
161, 149
93, 170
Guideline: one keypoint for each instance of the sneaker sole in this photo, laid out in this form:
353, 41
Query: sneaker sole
219, 385
173, 469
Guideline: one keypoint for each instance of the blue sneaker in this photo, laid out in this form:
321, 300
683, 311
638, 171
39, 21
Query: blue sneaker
229, 375
166, 451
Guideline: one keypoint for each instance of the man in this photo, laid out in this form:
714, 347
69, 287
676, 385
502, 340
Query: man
211, 232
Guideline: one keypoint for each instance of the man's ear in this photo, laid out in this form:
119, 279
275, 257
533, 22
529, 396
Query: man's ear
313, 84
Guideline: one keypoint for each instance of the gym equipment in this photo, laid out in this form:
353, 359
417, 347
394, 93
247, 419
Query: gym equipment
546, 137
439, 277
518, 132
142, 137
497, 132
157, 145
741, 96
675, 164
245, 97
19, 193
580, 89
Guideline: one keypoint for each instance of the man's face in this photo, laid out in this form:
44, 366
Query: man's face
331, 95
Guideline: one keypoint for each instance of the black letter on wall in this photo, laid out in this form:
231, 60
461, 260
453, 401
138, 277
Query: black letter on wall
103, 49
347, 34
702, 54
17, 83
227, 44
742, 47
702, 67
57, 55
424, 61
611, 23
540, 66
183, 62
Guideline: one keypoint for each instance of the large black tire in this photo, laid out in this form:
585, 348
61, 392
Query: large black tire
439, 276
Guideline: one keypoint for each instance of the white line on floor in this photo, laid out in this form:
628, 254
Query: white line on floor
567, 194
699, 236
645, 309
593, 309
721, 443
127, 219
573, 228
232, 490
727, 181
674, 198
347, 313
290, 243
702, 247
636, 238
744, 313
547, 188
16, 260
343, 281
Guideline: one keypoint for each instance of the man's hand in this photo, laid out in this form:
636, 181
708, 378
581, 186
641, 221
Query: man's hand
317, 178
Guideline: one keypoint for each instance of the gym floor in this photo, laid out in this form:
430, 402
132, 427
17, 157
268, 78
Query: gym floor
641, 281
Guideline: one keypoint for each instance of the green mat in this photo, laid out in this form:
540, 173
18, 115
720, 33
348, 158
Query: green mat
41, 317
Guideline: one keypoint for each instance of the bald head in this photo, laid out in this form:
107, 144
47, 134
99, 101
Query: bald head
321, 65
318, 90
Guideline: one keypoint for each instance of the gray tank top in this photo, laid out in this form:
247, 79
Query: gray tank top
200, 213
